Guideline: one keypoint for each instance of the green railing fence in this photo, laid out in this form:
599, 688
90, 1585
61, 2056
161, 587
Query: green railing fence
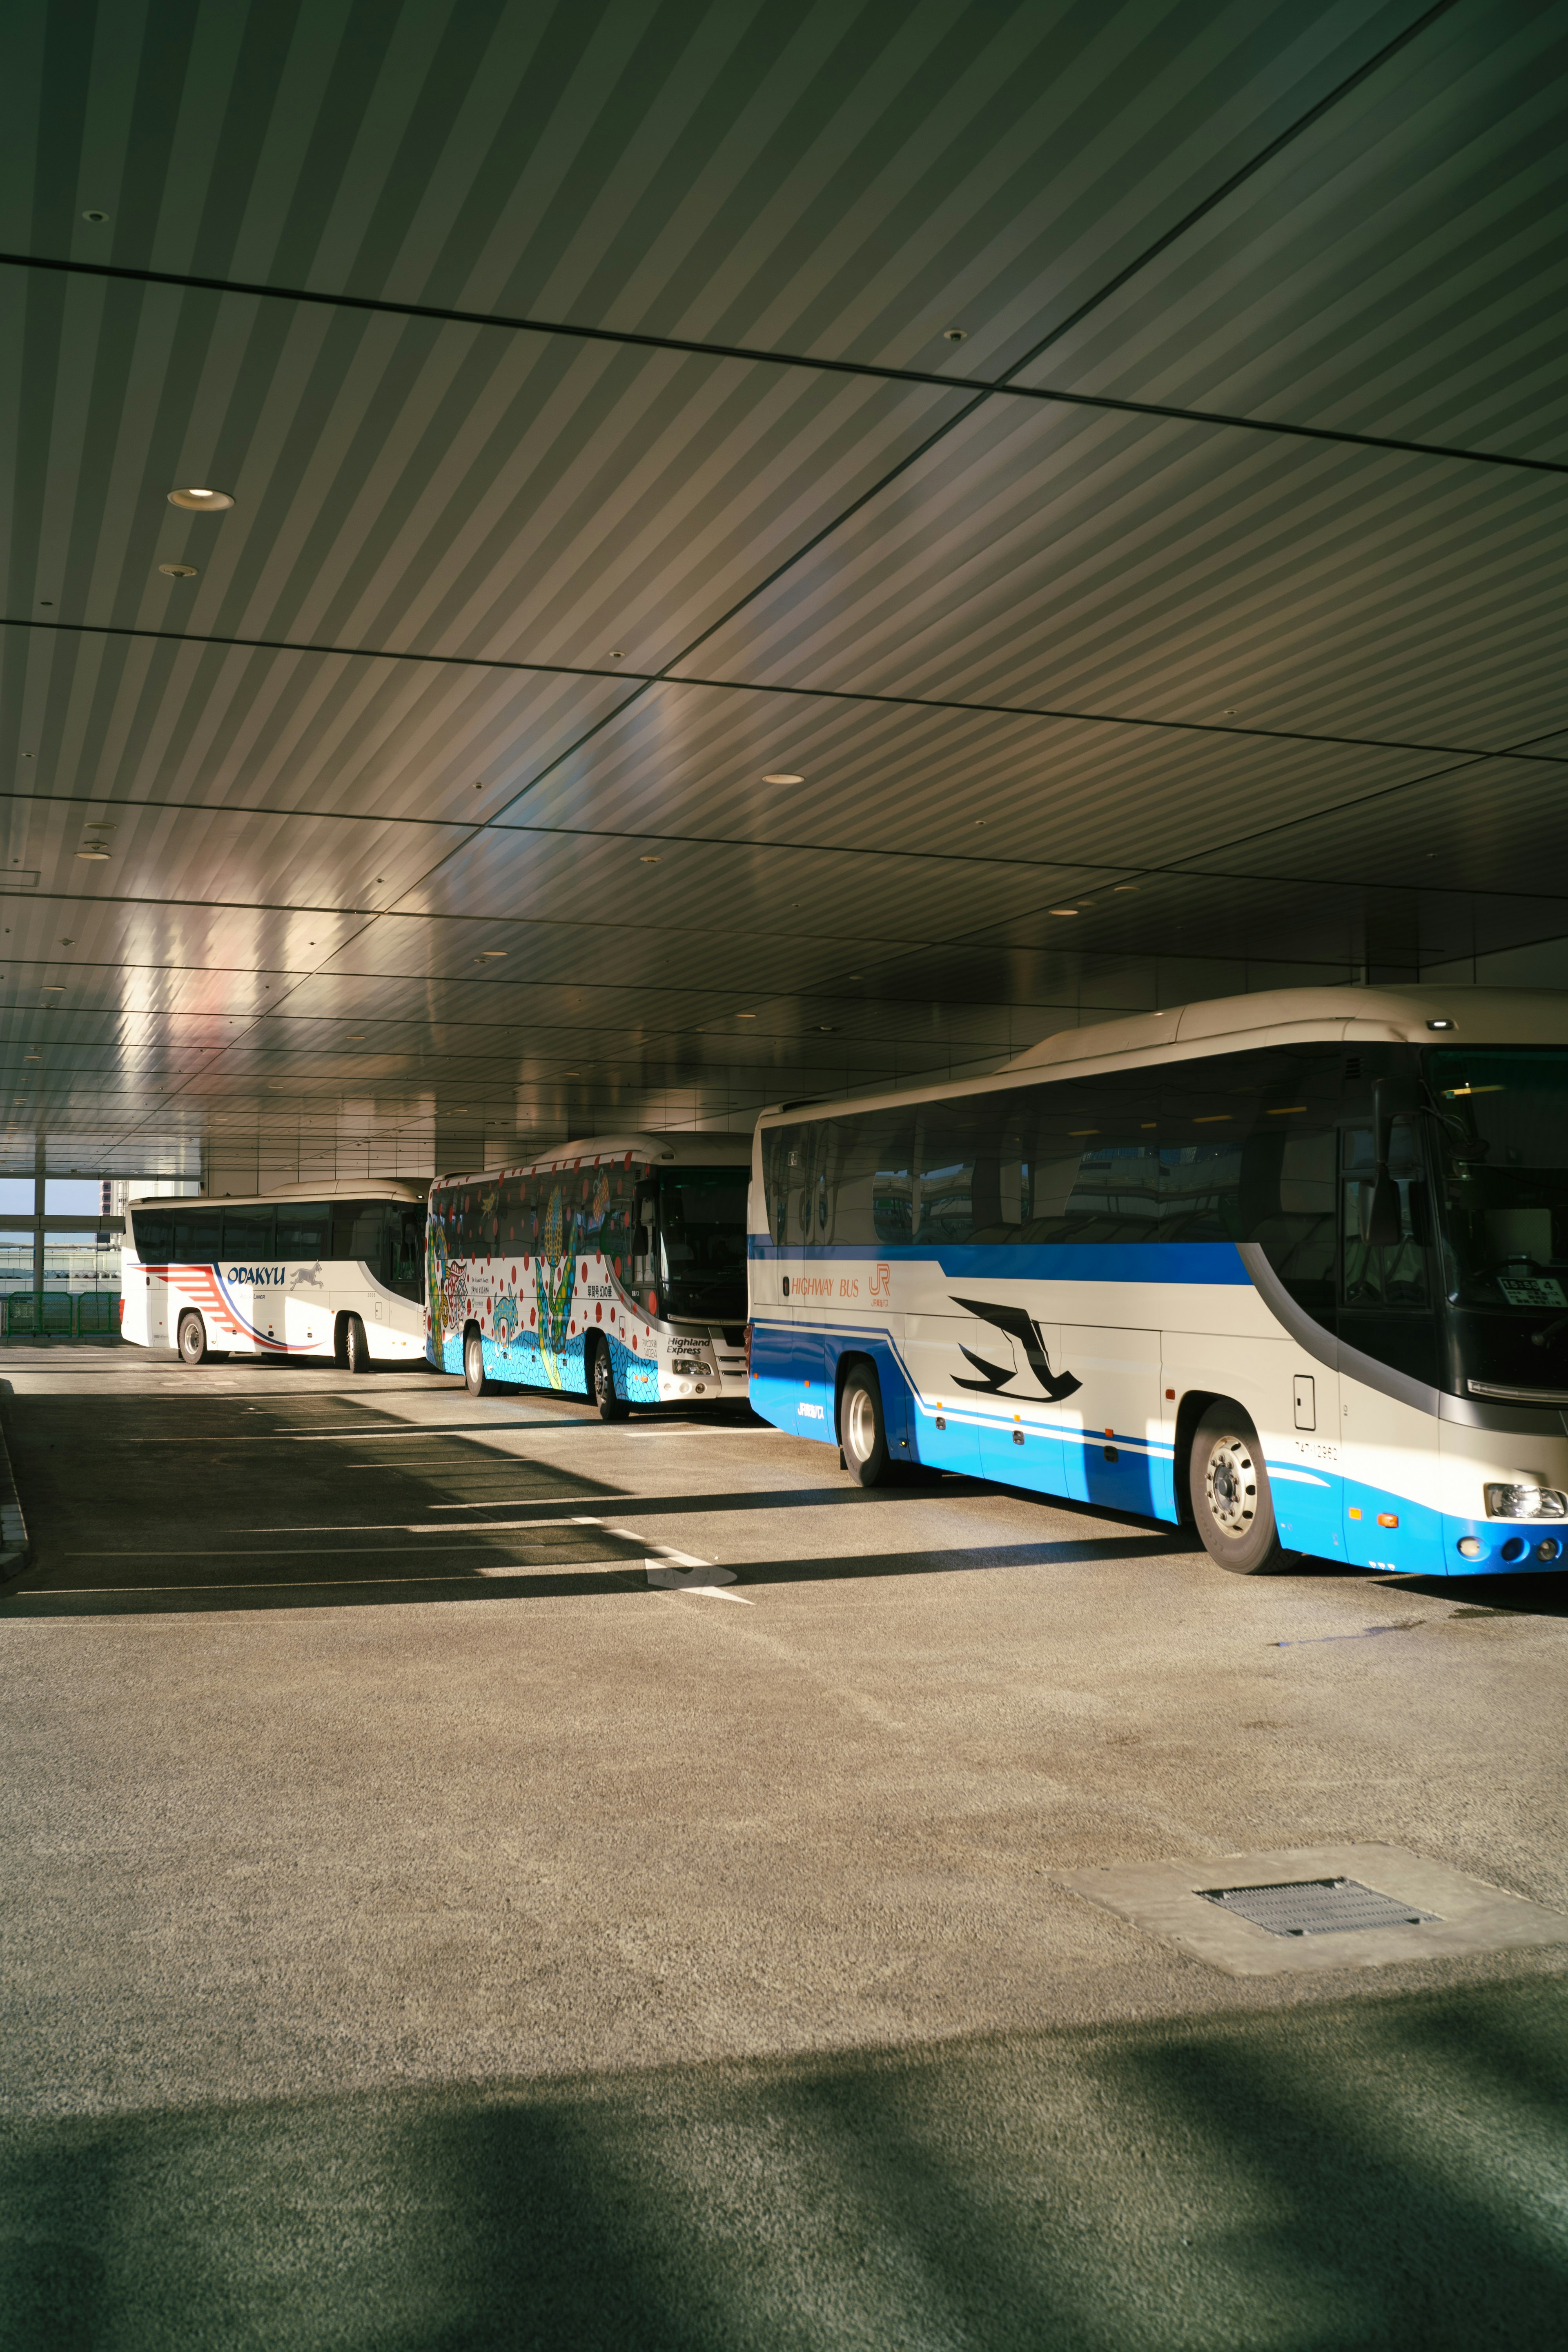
59, 1315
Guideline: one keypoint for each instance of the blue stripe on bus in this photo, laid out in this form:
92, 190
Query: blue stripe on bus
1187, 1262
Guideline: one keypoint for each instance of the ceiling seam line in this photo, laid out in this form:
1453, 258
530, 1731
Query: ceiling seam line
979, 388
931, 439
874, 696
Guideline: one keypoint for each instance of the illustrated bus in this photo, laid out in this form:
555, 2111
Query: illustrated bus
614, 1268
328, 1270
1290, 1267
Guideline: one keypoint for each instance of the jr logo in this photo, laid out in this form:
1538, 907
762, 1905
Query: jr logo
882, 1284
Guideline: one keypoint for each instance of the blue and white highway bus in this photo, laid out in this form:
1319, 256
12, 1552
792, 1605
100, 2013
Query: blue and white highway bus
333, 1271
613, 1268
1290, 1267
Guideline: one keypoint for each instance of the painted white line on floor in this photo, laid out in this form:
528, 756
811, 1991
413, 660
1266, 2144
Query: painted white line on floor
313, 1583
681, 1571
276, 1551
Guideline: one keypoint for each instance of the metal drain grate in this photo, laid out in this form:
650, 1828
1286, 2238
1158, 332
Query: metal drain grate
1316, 1906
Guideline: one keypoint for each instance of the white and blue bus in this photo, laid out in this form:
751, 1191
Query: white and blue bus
1289, 1267
613, 1268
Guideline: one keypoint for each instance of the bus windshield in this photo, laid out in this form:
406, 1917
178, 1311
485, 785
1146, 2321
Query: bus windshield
702, 1243
1503, 1117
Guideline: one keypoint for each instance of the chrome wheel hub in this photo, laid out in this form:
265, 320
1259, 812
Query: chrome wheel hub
1230, 1483
861, 1427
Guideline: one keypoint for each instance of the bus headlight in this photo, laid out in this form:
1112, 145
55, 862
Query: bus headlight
1526, 1502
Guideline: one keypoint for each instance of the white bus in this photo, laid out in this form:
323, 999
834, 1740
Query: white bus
328, 1270
614, 1268
1290, 1267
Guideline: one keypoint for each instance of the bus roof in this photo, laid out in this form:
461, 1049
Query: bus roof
722, 1149
369, 1188
1431, 1014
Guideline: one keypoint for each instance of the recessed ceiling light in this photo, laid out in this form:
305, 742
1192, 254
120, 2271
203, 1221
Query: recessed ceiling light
488, 955
955, 335
781, 779
1126, 886
200, 501
97, 219
1064, 910
92, 852
649, 861
27, 755
1227, 714
616, 655
745, 1017
827, 1027
178, 570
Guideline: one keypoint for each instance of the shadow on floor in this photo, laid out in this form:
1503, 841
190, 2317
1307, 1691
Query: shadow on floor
1381, 2171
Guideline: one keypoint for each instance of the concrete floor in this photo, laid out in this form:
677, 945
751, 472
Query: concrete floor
423, 1929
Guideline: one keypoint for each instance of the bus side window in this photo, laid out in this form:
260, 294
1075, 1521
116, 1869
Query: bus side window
1384, 1273
154, 1235
304, 1230
357, 1233
645, 1228
248, 1234
405, 1248
1287, 1206
198, 1234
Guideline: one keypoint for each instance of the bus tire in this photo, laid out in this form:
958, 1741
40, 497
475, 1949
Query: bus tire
475, 1379
1232, 1506
192, 1340
862, 1433
356, 1347
601, 1385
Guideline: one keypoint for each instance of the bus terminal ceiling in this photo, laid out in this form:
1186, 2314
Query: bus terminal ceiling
772, 549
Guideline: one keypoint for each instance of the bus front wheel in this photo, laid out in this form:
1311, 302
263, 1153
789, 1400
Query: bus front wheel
475, 1377
192, 1340
860, 1427
611, 1406
1232, 1502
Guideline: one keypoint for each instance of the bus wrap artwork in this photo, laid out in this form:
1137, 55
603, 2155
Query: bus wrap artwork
613, 1269
1292, 1268
554, 1282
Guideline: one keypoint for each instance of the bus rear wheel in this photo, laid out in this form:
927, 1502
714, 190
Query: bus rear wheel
861, 1431
192, 1340
1232, 1502
602, 1376
356, 1347
475, 1378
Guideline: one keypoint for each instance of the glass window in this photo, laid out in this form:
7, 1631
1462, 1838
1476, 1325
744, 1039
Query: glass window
1384, 1274
1502, 1124
702, 1241
152, 1232
405, 1248
198, 1235
357, 1228
304, 1229
72, 1196
247, 1235
16, 1196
